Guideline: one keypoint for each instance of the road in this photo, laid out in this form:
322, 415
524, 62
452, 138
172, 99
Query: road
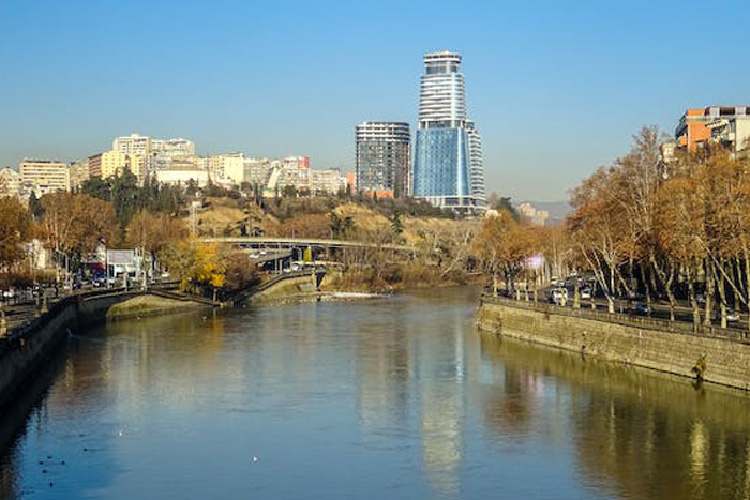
659, 310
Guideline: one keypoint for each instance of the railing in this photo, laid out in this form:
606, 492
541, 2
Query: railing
281, 277
645, 323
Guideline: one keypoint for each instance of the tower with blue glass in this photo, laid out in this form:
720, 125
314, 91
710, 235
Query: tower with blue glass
448, 170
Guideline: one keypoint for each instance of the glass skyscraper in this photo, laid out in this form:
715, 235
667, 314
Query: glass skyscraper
448, 167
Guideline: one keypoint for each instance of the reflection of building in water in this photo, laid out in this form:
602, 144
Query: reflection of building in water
443, 404
383, 378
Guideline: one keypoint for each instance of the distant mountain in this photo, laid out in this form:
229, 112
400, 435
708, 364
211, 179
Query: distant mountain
556, 209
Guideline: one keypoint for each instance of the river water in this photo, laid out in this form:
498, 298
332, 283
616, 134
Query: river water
397, 398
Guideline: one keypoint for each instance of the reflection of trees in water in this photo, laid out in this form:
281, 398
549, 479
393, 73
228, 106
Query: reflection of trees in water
508, 408
651, 453
640, 434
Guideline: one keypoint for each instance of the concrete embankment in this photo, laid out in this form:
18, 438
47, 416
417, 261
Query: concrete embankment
639, 343
25, 349
149, 305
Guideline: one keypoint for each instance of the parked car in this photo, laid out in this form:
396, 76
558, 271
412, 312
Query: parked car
731, 315
559, 296
640, 309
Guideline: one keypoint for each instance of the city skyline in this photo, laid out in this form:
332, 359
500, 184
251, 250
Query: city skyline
539, 72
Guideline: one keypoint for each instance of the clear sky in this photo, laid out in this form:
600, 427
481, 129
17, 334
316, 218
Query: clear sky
557, 88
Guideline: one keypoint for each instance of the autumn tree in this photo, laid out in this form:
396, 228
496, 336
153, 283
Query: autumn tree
15, 230
76, 223
153, 232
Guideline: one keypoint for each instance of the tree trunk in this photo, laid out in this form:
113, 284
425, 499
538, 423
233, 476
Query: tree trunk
646, 287
722, 296
709, 293
693, 303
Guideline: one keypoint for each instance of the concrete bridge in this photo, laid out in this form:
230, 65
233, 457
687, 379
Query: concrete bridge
278, 242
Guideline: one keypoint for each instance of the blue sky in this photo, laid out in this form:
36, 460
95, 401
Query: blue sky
556, 88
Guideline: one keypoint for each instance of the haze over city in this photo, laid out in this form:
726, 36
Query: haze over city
557, 90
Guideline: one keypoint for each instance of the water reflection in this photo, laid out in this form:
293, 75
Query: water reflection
399, 398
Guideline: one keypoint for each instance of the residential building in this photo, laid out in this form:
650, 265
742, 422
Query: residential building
79, 173
108, 164
232, 167
173, 147
351, 182
728, 126
257, 170
442, 163
383, 158
46, 176
327, 181
294, 171
533, 215
476, 163
10, 182
182, 177
138, 165
133, 144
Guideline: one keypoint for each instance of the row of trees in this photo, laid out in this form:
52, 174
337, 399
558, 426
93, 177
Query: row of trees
73, 225
643, 227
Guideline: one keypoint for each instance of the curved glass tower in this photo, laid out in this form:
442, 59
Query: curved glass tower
448, 169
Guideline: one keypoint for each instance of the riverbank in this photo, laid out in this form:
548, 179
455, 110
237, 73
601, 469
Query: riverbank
27, 348
150, 305
397, 278
720, 360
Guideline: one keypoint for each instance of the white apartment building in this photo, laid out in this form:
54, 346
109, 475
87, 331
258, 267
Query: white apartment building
230, 167
258, 170
133, 144
295, 171
79, 173
173, 147
182, 177
10, 182
327, 181
46, 175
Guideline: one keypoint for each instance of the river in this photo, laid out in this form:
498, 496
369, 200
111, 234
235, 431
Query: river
397, 398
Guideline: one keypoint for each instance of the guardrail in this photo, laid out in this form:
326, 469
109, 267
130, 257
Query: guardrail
646, 323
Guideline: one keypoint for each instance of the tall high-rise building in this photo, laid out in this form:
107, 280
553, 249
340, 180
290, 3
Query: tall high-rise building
476, 163
448, 145
383, 158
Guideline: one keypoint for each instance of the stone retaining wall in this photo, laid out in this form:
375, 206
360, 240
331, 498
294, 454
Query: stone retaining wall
727, 361
26, 348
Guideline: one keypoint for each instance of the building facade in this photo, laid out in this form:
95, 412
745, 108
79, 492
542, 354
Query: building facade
173, 147
476, 163
383, 159
728, 126
442, 162
79, 173
182, 177
108, 164
327, 181
10, 182
44, 175
133, 144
